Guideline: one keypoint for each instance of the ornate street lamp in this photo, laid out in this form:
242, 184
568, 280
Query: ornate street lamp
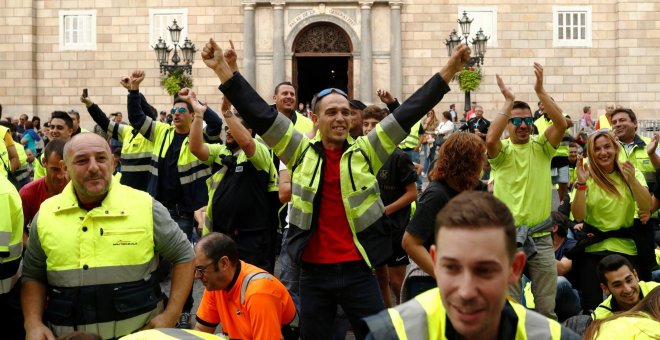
478, 47
162, 52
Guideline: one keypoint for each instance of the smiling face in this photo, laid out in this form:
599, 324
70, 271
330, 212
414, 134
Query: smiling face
623, 284
519, 134
624, 128
89, 163
59, 130
604, 153
285, 99
334, 120
473, 285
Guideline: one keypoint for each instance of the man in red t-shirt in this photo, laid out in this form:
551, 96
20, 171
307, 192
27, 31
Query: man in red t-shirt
34, 193
336, 220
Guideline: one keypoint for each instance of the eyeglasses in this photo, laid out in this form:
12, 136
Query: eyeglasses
324, 93
202, 269
517, 121
181, 110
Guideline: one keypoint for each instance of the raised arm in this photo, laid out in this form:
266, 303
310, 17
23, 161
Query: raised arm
579, 204
99, 117
555, 132
136, 116
651, 150
640, 192
427, 96
241, 135
195, 138
497, 126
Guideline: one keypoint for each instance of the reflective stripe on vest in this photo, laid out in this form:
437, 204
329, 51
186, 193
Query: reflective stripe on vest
413, 138
424, 317
112, 243
172, 333
110, 329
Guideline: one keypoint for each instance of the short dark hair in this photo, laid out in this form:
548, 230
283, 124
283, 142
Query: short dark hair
629, 112
374, 111
277, 87
56, 146
493, 214
611, 263
573, 145
216, 245
8, 125
63, 116
180, 100
521, 105
561, 222
75, 113
447, 115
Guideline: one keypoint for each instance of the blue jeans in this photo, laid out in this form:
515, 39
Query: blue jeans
567, 302
289, 271
352, 285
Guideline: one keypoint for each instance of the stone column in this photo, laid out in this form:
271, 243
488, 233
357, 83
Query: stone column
249, 59
278, 42
396, 73
366, 78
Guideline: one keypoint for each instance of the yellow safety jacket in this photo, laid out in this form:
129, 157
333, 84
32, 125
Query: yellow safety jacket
4, 155
604, 123
11, 235
21, 173
173, 334
136, 154
360, 161
609, 307
266, 177
639, 158
100, 263
193, 173
413, 138
425, 317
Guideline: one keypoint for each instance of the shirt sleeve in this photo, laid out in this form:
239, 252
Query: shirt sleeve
499, 159
9, 141
262, 158
548, 149
169, 240
34, 259
207, 313
422, 223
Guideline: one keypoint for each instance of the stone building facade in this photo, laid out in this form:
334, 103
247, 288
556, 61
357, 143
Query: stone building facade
594, 51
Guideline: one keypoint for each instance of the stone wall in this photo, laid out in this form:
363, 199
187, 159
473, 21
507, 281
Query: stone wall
621, 66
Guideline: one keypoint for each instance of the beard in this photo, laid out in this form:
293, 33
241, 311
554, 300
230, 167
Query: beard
232, 145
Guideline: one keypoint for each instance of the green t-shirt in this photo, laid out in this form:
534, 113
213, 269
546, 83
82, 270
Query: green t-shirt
522, 179
608, 212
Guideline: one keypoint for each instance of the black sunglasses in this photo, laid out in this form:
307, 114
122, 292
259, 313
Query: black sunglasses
202, 269
517, 121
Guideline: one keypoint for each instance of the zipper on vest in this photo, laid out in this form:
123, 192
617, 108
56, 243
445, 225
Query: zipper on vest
350, 172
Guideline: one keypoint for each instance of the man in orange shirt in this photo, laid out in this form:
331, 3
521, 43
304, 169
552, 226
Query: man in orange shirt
246, 300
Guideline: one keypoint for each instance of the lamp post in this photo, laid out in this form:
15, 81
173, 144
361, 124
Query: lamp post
478, 44
163, 52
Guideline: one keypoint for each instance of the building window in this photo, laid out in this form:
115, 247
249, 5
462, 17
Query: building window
160, 19
484, 18
77, 30
571, 26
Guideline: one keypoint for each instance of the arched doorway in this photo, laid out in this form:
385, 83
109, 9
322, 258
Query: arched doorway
322, 58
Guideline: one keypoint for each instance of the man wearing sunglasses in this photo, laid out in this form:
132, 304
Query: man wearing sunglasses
521, 168
178, 178
336, 232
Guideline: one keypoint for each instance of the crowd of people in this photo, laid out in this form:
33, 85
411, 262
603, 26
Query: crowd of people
332, 195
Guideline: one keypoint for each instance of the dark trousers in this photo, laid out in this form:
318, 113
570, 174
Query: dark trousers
351, 285
11, 324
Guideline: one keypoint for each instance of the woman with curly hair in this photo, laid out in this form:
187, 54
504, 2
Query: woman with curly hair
605, 198
458, 168
640, 322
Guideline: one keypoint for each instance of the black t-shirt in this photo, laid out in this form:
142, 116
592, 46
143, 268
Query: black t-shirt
397, 172
169, 185
429, 204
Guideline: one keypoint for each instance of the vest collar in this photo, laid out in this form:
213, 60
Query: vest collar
506, 330
112, 205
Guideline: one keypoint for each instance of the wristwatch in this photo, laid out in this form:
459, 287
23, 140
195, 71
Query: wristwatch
228, 113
